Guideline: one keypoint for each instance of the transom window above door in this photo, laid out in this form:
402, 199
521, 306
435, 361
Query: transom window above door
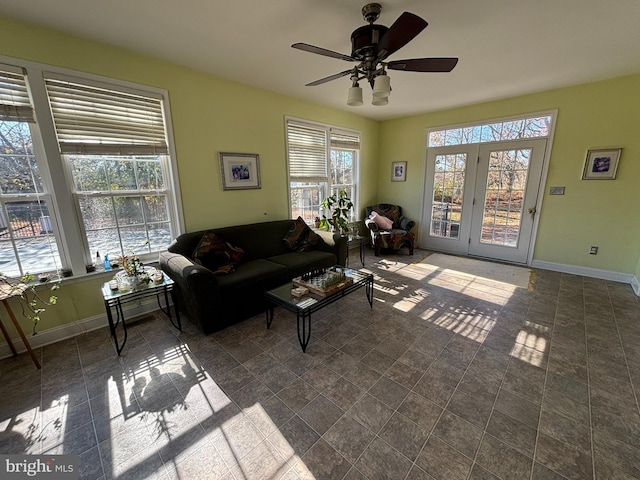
536, 126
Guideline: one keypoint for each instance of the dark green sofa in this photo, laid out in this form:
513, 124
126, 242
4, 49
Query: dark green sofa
214, 302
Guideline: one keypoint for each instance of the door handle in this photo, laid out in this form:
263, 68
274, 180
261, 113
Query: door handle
531, 211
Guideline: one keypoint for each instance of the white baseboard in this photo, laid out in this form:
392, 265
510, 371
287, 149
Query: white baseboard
57, 334
589, 272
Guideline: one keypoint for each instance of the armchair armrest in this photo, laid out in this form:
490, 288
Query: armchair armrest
406, 223
371, 225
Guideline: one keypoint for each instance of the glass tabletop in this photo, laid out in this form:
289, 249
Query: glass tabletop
283, 292
109, 294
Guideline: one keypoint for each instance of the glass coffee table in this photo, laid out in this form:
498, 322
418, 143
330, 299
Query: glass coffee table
305, 305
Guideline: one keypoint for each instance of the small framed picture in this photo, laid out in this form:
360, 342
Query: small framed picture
239, 171
601, 164
398, 171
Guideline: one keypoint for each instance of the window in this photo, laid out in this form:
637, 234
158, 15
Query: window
93, 175
113, 143
529, 127
322, 160
26, 228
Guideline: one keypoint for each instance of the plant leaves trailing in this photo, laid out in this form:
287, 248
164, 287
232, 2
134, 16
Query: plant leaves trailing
32, 303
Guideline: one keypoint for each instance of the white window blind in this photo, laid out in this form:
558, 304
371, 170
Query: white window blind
92, 120
15, 104
322, 160
344, 140
307, 151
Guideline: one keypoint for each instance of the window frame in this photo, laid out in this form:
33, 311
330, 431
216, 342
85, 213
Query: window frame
55, 170
324, 183
489, 122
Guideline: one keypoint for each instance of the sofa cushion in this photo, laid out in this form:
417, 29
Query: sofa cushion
217, 255
255, 275
298, 263
300, 238
258, 240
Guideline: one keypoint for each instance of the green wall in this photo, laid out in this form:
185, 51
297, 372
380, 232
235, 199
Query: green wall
592, 212
210, 115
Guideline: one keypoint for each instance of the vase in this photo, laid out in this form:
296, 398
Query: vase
126, 283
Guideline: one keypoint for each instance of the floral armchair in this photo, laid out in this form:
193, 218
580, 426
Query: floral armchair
394, 234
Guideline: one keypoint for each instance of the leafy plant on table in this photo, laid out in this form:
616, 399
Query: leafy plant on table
339, 205
133, 267
25, 288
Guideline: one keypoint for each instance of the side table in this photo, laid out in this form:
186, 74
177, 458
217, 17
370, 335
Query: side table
356, 240
115, 298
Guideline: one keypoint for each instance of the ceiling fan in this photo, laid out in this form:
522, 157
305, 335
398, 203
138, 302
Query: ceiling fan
370, 47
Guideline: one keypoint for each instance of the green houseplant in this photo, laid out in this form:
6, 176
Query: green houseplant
339, 205
25, 288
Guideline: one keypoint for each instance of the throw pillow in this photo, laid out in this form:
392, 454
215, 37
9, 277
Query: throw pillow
217, 255
236, 254
300, 238
383, 222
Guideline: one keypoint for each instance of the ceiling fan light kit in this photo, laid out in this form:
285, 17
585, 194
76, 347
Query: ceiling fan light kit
382, 86
380, 101
370, 47
354, 99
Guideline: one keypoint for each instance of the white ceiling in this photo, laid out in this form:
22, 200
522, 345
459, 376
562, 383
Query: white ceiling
506, 47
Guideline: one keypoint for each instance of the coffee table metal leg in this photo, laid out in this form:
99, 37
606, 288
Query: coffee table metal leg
269, 313
369, 290
305, 334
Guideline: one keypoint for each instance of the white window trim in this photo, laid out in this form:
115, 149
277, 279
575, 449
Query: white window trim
56, 175
328, 128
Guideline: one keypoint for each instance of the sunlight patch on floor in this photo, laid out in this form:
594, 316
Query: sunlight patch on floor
463, 271
531, 344
528, 355
247, 442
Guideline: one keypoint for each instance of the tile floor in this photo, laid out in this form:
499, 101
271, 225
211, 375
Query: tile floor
448, 376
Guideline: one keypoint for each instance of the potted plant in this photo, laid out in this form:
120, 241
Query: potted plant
133, 272
339, 205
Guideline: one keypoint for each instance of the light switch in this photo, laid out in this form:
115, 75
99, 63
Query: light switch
556, 190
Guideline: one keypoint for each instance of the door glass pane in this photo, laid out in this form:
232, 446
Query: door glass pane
448, 190
503, 203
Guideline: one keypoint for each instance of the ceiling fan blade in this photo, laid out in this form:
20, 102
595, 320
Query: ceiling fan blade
329, 78
403, 30
424, 64
322, 51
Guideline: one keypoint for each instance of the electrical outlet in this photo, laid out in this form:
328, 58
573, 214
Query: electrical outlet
593, 250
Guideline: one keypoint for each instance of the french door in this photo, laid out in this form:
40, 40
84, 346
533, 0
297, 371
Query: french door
480, 199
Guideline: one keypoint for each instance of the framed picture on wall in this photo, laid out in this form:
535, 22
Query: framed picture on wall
398, 171
239, 171
601, 164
